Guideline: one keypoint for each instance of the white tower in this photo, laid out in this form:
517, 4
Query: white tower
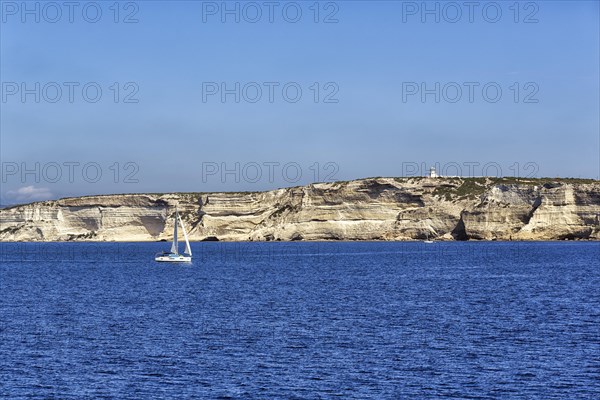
432, 173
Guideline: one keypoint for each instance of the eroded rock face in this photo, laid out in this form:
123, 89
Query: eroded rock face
367, 209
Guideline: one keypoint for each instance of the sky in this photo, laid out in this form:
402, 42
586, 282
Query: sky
192, 96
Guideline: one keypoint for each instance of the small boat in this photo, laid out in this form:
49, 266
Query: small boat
427, 240
173, 255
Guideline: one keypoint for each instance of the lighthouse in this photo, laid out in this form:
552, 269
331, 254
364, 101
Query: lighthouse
432, 173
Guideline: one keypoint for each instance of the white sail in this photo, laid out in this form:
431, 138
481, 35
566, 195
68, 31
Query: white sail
175, 245
188, 249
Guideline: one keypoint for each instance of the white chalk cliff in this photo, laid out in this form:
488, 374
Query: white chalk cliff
366, 209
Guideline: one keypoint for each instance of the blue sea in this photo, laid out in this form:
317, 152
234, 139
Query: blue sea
297, 320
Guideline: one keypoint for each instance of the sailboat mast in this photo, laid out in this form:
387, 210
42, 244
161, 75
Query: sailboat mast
188, 249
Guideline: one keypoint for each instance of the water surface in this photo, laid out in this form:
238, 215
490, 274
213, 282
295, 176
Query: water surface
301, 320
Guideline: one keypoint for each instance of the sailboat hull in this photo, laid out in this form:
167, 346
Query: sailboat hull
173, 258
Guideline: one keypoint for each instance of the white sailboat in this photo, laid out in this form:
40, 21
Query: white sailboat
427, 240
173, 255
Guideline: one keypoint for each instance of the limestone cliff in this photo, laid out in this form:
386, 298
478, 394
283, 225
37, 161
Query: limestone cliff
366, 209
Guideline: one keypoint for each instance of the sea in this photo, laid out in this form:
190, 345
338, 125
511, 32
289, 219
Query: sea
301, 320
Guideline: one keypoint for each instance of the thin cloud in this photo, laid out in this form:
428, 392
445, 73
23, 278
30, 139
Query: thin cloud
29, 193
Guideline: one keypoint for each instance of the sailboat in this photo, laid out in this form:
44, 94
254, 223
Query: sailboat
173, 255
427, 240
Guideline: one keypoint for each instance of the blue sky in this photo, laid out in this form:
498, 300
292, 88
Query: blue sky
178, 136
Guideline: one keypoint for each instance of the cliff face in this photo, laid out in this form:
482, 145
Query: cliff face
367, 209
